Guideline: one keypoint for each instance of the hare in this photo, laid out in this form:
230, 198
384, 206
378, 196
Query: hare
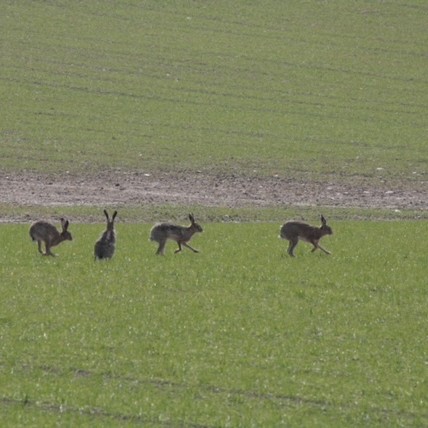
180, 234
43, 231
106, 245
295, 230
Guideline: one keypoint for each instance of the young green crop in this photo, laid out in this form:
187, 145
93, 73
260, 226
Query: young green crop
239, 334
326, 89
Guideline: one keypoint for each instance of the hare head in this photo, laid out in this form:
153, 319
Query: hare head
65, 234
195, 226
324, 228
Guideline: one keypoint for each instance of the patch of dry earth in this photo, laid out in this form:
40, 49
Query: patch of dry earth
120, 188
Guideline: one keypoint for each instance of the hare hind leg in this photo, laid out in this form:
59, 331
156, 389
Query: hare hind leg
292, 245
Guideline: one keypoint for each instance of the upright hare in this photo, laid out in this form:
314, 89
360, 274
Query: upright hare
43, 231
160, 233
295, 230
106, 245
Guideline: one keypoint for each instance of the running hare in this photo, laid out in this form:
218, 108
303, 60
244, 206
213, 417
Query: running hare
295, 230
180, 234
105, 246
43, 231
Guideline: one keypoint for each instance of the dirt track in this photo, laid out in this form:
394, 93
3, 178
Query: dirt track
133, 189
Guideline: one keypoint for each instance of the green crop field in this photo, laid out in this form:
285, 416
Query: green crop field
296, 88
240, 334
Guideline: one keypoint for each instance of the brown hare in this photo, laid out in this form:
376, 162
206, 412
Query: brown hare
160, 233
294, 231
43, 231
106, 245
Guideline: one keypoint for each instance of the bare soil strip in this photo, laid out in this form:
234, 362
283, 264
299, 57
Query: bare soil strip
133, 188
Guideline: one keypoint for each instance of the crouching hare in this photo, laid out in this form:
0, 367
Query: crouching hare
294, 231
161, 232
47, 233
106, 245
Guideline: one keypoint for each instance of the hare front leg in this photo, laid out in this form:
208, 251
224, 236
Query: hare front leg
190, 248
39, 246
316, 245
291, 246
161, 248
323, 249
186, 245
48, 251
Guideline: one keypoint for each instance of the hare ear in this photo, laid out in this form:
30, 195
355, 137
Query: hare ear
323, 220
106, 214
191, 218
64, 224
114, 216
